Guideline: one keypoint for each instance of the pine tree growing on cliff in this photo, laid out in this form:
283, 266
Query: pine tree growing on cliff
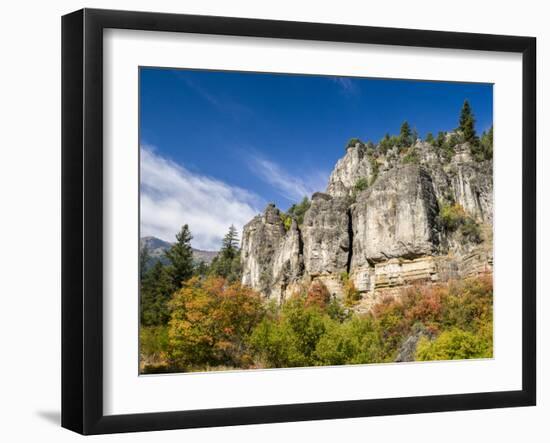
483, 148
230, 244
227, 263
430, 139
180, 256
385, 144
405, 135
467, 122
487, 143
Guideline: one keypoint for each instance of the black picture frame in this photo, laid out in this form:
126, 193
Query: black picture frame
82, 219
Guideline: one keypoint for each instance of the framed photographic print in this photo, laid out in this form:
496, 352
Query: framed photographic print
269, 221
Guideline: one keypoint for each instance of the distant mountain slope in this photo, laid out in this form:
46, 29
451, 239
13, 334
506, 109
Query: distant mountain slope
157, 247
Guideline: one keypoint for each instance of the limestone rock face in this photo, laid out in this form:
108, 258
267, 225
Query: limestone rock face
325, 235
348, 170
426, 153
385, 237
462, 180
396, 217
288, 264
472, 187
260, 242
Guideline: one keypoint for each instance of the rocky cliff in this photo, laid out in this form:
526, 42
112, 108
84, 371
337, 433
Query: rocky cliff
386, 220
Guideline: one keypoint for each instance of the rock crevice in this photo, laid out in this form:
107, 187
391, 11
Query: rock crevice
350, 236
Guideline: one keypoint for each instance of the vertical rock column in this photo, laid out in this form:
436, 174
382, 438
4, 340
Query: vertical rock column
260, 243
394, 219
326, 240
288, 265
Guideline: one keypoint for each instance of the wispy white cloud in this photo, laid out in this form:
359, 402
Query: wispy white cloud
204, 93
347, 85
293, 187
171, 196
224, 104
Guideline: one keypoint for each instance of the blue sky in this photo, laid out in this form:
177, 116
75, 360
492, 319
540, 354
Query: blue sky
217, 146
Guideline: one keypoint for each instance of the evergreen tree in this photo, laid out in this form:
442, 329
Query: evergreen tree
144, 258
180, 256
227, 263
230, 243
405, 135
487, 142
465, 114
353, 142
485, 149
440, 142
201, 269
467, 123
156, 289
384, 144
430, 138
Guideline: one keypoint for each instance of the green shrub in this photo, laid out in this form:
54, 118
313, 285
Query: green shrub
356, 341
440, 139
454, 139
351, 295
375, 167
430, 139
153, 340
468, 305
411, 157
361, 184
470, 230
444, 147
336, 311
298, 210
154, 348
395, 141
352, 142
287, 220
290, 339
451, 216
385, 144
454, 344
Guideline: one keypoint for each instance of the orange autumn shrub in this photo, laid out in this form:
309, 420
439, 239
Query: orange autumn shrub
210, 322
464, 305
424, 304
214, 324
317, 295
